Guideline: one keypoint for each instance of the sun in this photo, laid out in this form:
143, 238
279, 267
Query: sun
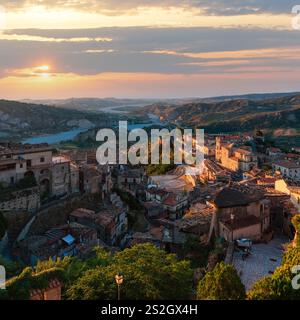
43, 68
42, 71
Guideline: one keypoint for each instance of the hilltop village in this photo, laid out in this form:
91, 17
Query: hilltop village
61, 203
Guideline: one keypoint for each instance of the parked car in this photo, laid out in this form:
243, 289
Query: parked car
243, 244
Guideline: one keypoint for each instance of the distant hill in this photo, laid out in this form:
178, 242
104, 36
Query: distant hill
100, 104
277, 113
26, 119
92, 104
232, 115
251, 96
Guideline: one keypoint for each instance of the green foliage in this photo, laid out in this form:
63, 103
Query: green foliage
72, 268
50, 263
275, 287
159, 169
266, 167
3, 225
195, 251
222, 283
149, 273
129, 199
18, 288
12, 268
296, 223
279, 285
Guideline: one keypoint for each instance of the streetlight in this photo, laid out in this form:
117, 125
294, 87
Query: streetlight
119, 280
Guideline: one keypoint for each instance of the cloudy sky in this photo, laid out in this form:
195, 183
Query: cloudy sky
150, 48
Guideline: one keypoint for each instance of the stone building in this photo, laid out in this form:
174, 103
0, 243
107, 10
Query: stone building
110, 222
61, 176
90, 179
241, 212
233, 157
55, 175
292, 190
18, 161
74, 172
173, 204
212, 171
288, 169
26, 199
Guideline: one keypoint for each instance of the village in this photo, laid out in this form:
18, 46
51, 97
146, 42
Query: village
63, 203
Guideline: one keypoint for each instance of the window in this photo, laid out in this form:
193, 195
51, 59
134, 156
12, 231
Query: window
42, 159
21, 165
12, 180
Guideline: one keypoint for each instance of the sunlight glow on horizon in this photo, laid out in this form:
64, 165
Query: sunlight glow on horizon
61, 62
43, 68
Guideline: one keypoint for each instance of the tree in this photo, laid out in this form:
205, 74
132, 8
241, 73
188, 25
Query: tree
149, 273
19, 287
12, 268
73, 268
278, 286
296, 224
275, 287
222, 283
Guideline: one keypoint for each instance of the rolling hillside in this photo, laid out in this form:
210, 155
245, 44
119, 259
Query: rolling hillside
24, 119
234, 115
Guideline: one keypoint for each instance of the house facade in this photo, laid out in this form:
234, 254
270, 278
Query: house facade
241, 213
288, 169
235, 158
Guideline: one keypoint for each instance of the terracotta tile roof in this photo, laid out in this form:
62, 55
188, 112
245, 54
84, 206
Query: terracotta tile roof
274, 150
287, 164
170, 200
233, 197
293, 155
160, 192
214, 167
83, 213
263, 181
294, 189
201, 216
241, 223
243, 151
105, 218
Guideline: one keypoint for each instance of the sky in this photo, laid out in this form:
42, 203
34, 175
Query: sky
147, 49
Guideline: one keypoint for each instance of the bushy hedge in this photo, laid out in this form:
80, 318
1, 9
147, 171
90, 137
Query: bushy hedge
18, 288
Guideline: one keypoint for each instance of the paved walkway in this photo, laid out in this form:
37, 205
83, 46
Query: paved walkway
264, 259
